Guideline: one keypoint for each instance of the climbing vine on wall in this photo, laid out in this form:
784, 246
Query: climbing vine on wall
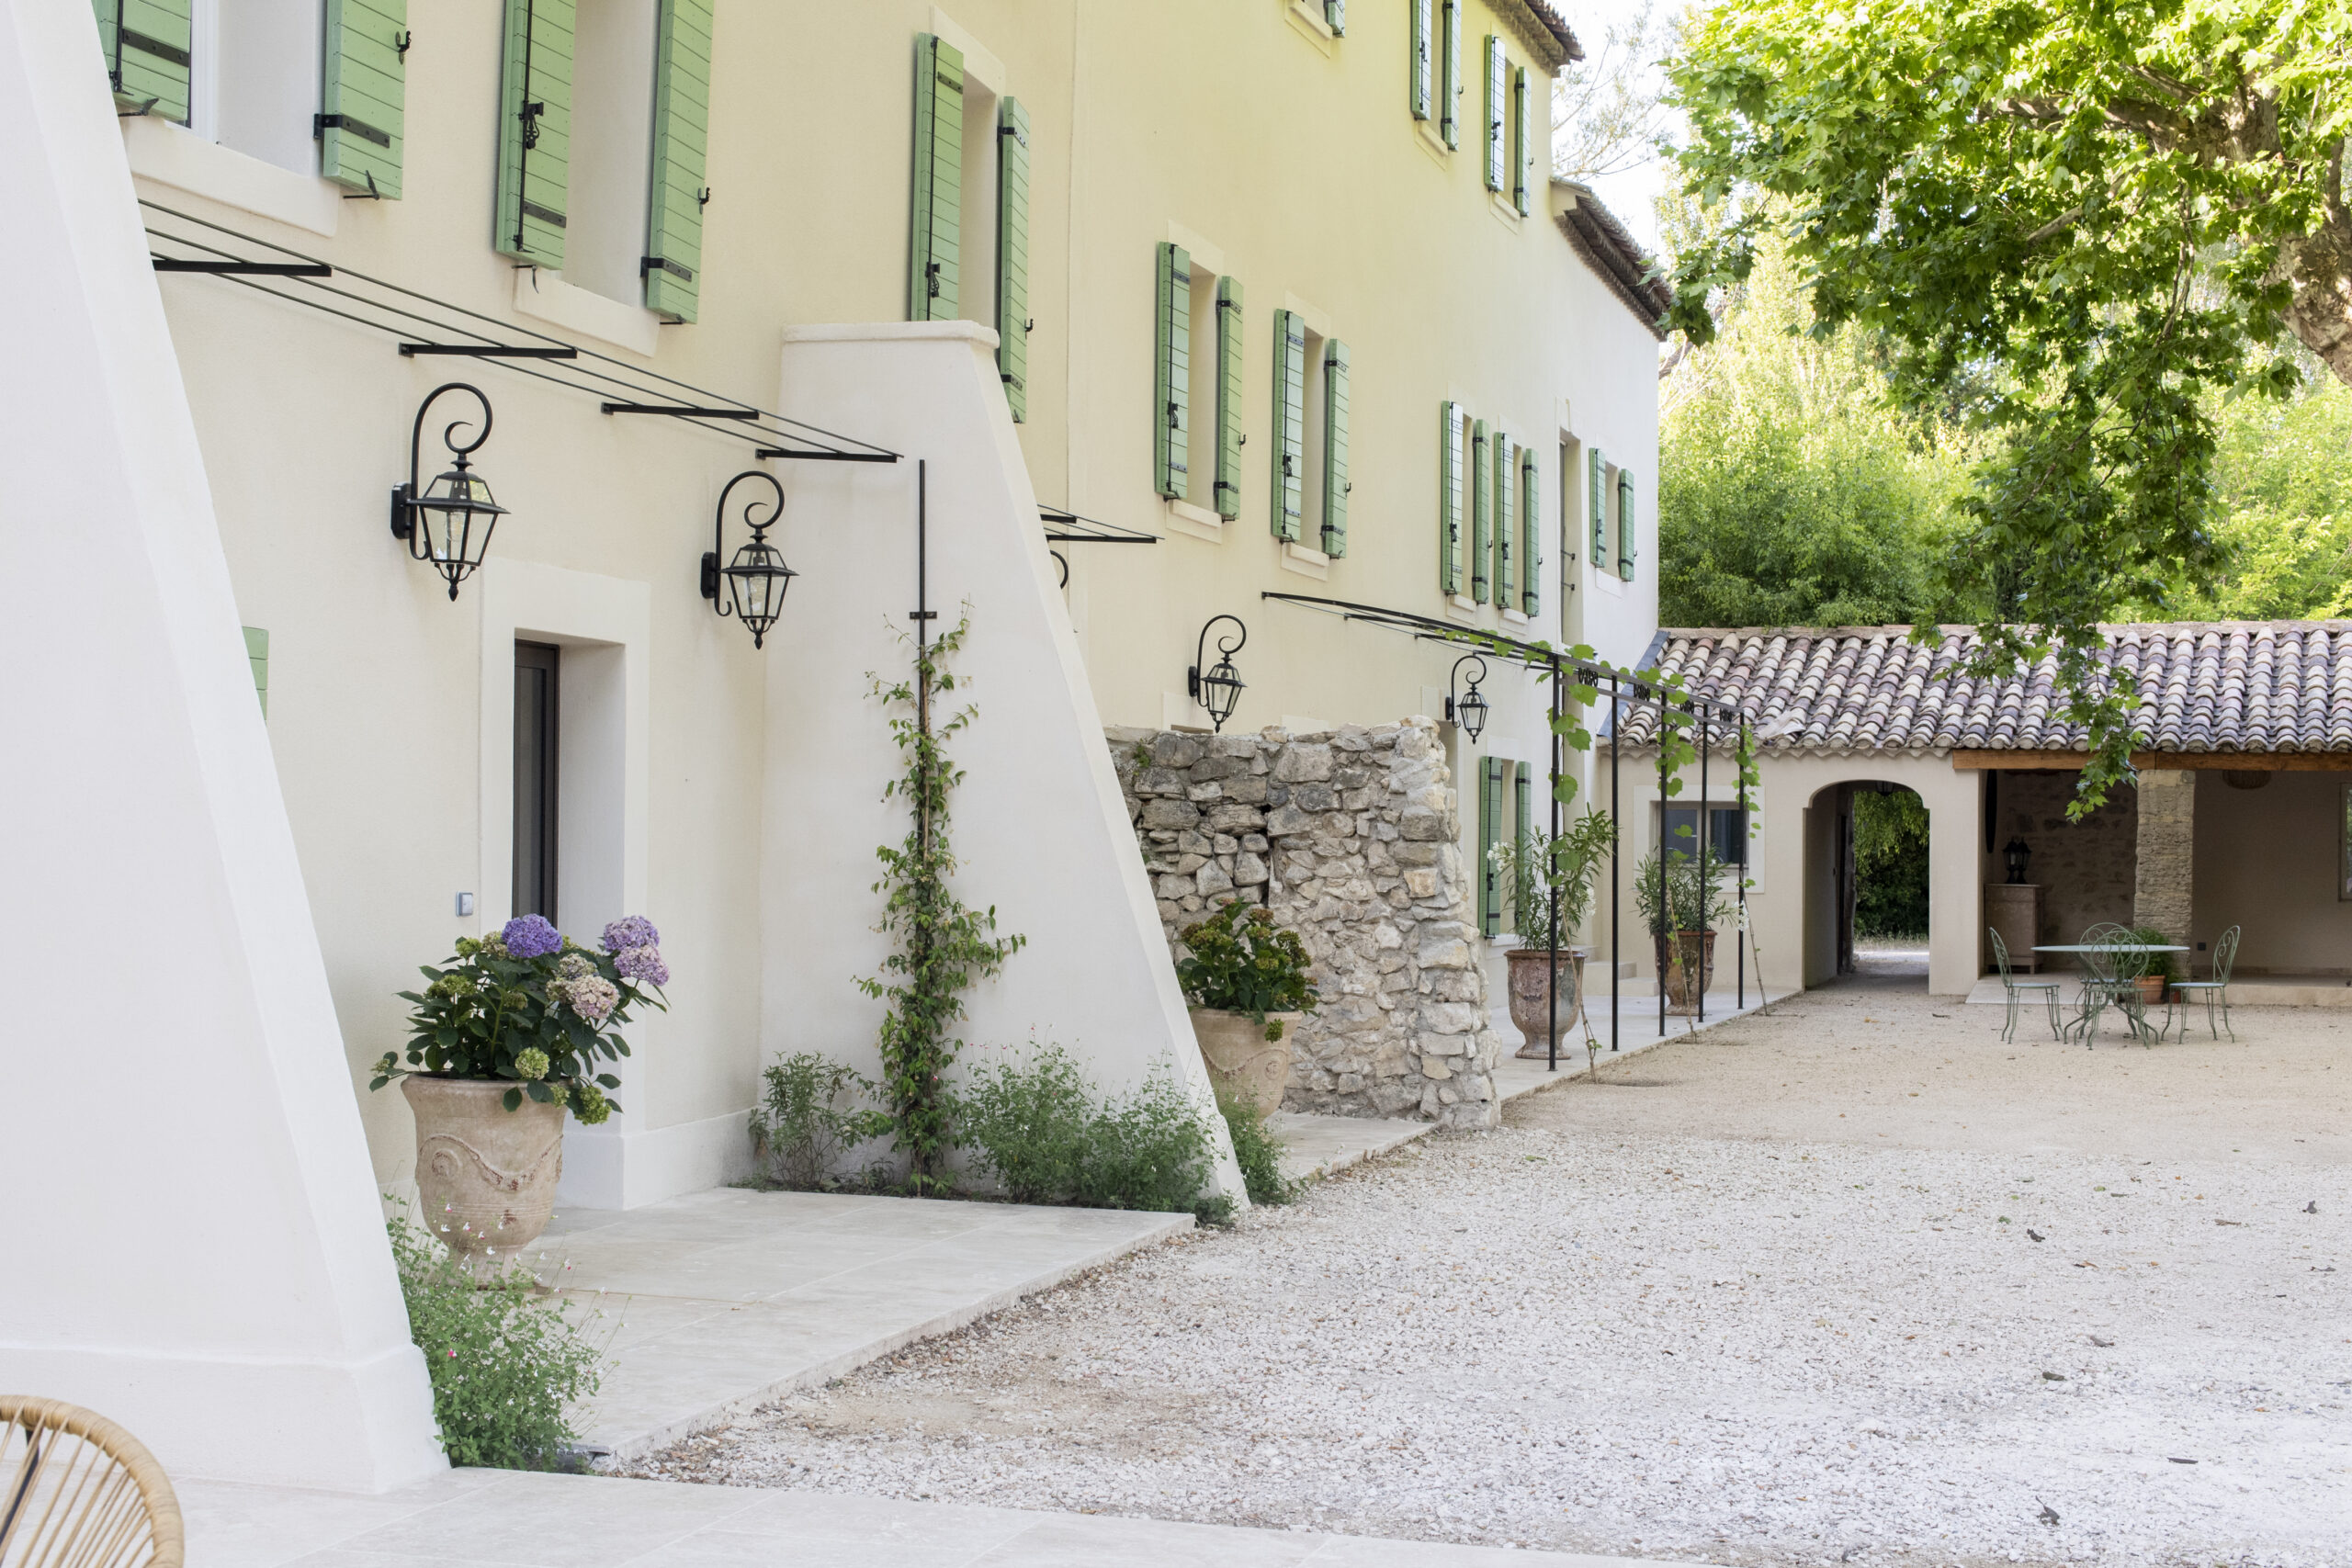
943, 947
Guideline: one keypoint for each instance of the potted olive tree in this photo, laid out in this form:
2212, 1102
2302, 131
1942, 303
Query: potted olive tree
1247, 980
503, 1040
1682, 908
1549, 882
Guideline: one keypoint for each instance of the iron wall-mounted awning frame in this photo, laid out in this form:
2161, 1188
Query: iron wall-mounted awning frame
1063, 527
1642, 689
184, 243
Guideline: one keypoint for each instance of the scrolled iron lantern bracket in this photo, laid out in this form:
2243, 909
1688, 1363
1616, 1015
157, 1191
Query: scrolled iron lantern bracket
1470, 709
756, 579
1217, 688
456, 500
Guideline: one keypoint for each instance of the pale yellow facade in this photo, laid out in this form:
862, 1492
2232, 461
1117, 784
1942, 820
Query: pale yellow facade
1275, 152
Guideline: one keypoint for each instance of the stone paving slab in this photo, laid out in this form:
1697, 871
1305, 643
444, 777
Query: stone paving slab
718, 1301
517, 1520
1316, 1145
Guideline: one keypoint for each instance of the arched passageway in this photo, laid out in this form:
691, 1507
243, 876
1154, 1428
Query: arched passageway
1866, 905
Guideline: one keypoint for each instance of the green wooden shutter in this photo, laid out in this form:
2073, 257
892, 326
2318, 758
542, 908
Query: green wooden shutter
1422, 66
534, 133
1012, 255
1228, 398
1336, 483
1490, 827
1290, 424
1506, 526
1627, 542
257, 655
362, 90
1523, 785
1173, 373
146, 45
1531, 555
1335, 15
1449, 497
1498, 84
672, 265
1449, 108
1522, 142
934, 257
1482, 515
1599, 465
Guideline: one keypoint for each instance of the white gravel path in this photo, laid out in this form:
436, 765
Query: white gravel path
1582, 1334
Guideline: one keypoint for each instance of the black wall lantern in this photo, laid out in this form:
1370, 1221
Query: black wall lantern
757, 577
447, 524
2015, 852
1469, 710
1217, 689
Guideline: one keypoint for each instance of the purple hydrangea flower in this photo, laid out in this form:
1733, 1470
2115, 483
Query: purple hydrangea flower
530, 936
630, 930
642, 963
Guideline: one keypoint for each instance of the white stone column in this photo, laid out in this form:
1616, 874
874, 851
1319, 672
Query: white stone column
2163, 880
192, 1240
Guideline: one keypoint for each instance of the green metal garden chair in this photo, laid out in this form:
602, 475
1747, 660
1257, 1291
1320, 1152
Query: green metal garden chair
2225, 953
2014, 990
2112, 971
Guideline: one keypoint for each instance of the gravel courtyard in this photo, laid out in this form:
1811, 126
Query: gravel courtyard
1855, 1282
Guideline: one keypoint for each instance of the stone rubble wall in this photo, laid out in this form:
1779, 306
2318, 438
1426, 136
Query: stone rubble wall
1351, 837
2087, 870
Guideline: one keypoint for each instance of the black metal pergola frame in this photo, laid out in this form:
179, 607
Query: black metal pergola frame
1640, 690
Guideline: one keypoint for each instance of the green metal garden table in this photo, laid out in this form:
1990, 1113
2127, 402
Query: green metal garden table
2091, 1003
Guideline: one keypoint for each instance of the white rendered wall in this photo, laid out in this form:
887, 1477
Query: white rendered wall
193, 1241
1039, 828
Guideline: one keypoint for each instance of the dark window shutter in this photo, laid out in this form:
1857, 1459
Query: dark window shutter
1531, 550
1290, 424
1482, 515
1522, 163
1628, 542
1506, 525
1336, 483
1449, 498
535, 131
1173, 373
672, 260
1449, 104
362, 91
1228, 398
935, 275
1497, 79
1422, 66
1012, 255
147, 45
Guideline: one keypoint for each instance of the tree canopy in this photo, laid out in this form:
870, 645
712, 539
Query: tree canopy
2078, 221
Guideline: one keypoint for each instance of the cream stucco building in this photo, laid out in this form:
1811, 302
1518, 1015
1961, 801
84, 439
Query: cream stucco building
1283, 289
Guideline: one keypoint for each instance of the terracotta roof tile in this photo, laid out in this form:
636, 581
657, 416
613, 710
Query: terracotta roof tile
2204, 686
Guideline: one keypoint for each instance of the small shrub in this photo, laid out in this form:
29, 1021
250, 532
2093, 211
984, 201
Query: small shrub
1257, 1151
810, 1110
1028, 1125
506, 1368
1040, 1129
1238, 961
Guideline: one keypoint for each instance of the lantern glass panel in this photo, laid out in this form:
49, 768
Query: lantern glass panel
1221, 691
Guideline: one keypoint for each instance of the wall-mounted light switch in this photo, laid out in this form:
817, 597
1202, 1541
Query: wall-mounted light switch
465, 905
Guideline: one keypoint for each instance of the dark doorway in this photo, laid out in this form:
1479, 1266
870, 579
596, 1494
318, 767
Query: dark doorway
1879, 855
538, 699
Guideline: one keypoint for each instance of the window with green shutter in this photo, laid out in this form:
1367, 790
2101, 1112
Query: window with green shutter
146, 44
1290, 424
1490, 827
362, 94
1596, 503
533, 131
1173, 373
1423, 65
1482, 515
672, 265
937, 225
257, 656
1228, 398
1012, 255
1506, 525
1523, 142
1336, 483
1449, 497
1531, 592
1449, 104
1628, 544
1498, 87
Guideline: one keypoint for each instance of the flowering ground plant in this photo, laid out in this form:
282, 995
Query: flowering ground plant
530, 1006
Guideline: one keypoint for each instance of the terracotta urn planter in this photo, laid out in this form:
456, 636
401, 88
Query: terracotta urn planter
1244, 1065
1538, 976
2152, 989
486, 1175
1690, 956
